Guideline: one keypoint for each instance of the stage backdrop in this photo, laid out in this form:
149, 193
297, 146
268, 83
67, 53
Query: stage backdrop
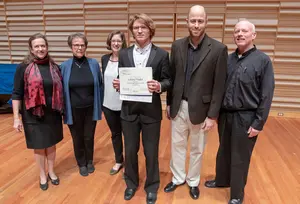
277, 22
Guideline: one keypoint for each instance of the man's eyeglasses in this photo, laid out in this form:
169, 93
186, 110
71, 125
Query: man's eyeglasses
140, 27
78, 46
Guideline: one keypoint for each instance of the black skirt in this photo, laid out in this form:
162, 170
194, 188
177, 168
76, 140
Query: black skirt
41, 133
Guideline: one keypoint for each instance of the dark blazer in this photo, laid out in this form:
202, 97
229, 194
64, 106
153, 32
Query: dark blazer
159, 61
207, 80
104, 62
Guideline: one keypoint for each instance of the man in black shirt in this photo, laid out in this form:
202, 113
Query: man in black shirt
245, 108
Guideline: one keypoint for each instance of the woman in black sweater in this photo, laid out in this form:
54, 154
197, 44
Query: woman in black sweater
38, 96
82, 84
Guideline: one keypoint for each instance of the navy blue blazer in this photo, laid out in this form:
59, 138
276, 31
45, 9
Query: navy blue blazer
66, 67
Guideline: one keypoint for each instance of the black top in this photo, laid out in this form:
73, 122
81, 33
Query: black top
192, 56
81, 84
250, 84
18, 91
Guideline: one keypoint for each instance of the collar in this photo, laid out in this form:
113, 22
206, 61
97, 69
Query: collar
142, 50
245, 53
199, 44
80, 60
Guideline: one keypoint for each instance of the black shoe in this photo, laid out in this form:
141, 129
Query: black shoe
90, 168
129, 193
213, 184
44, 186
114, 171
151, 198
235, 201
170, 187
54, 181
194, 192
83, 171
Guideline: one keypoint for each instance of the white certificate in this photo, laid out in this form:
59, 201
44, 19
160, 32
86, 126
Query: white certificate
145, 99
133, 84
133, 81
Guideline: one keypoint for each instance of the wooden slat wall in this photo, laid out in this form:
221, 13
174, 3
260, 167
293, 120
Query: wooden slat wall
61, 18
215, 12
102, 17
4, 44
277, 24
24, 18
287, 58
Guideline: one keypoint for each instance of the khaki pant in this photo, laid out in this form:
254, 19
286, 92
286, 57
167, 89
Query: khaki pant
182, 128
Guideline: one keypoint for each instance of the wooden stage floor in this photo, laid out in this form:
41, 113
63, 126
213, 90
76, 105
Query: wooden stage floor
274, 175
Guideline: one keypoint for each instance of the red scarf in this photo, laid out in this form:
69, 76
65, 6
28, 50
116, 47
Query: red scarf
34, 95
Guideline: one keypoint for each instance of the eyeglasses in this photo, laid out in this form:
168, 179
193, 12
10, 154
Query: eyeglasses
78, 46
140, 27
117, 41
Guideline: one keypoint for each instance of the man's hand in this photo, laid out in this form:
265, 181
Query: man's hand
116, 84
252, 132
208, 124
153, 86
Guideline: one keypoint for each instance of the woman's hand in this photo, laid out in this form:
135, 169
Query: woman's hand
18, 124
116, 84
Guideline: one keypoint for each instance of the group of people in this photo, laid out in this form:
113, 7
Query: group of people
204, 87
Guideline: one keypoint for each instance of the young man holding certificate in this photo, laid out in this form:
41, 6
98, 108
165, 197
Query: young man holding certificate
145, 116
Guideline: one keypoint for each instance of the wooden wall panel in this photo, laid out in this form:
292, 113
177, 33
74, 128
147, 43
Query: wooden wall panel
61, 19
4, 44
277, 25
162, 12
215, 11
287, 58
102, 17
24, 18
263, 15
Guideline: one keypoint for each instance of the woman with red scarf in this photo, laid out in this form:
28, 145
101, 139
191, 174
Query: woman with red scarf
38, 97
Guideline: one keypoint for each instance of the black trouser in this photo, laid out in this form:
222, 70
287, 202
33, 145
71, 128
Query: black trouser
83, 131
235, 151
150, 139
113, 120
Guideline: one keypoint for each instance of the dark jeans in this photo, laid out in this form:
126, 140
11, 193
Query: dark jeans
83, 132
235, 150
113, 120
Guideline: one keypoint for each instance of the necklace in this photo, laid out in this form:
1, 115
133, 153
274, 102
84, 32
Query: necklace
79, 65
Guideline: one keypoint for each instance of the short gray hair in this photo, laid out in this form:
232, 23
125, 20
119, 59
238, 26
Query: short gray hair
252, 25
77, 35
